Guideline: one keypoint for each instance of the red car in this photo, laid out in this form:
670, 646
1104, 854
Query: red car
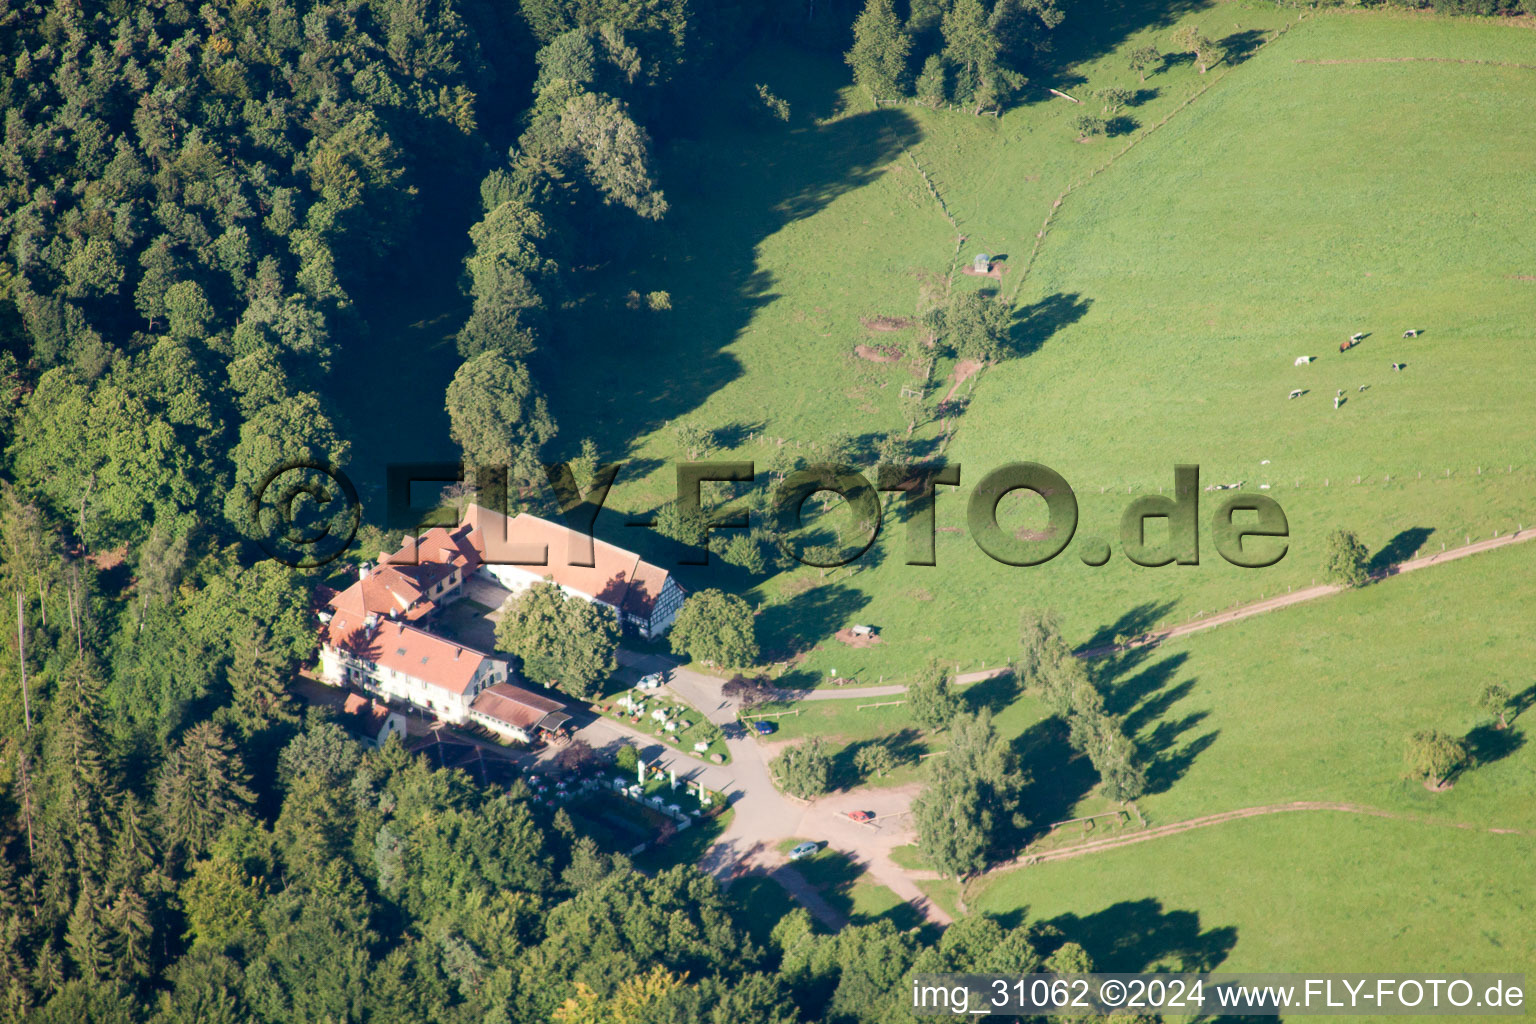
861, 816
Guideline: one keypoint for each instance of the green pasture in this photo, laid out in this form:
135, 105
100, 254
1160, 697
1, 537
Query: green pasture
1315, 702
1290, 203
1323, 892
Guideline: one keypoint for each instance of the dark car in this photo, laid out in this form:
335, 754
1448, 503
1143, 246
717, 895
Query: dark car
764, 728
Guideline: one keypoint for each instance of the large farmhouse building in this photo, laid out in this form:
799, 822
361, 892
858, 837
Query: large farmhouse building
376, 634
521, 550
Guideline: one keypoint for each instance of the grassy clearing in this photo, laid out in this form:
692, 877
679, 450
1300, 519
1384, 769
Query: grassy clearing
1294, 203
1291, 892
944, 892
1314, 702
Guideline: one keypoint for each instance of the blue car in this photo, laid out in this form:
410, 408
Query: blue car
765, 728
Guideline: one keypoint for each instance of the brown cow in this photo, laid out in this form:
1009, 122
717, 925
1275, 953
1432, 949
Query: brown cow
1346, 345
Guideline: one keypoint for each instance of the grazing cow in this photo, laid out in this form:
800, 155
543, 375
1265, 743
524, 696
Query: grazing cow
1397, 366
1364, 386
1302, 360
1337, 393
1339, 400
1411, 333
1357, 336
1345, 346
1296, 393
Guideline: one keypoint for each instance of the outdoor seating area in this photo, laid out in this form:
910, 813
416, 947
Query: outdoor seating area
670, 720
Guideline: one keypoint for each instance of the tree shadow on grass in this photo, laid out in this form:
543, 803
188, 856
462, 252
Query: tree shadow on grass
1121, 124
903, 915
1095, 28
799, 623
833, 875
1137, 935
734, 435
1239, 46
1166, 765
1034, 324
1522, 702
1400, 548
1145, 699
729, 190
1155, 705
992, 695
1486, 743
905, 746
1059, 777
1125, 693
758, 904
1135, 622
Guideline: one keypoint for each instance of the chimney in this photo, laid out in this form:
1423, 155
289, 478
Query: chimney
456, 652
362, 570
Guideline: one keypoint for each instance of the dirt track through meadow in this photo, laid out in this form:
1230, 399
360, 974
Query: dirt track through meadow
1206, 821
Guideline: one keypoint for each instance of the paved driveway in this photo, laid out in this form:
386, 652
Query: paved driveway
765, 817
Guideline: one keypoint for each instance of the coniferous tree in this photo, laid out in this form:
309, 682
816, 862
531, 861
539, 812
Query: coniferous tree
87, 936
260, 696
133, 935
931, 87
202, 786
880, 50
135, 855
74, 799
47, 969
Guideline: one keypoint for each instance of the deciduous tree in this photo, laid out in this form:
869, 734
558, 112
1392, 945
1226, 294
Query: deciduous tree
1143, 59
1495, 699
568, 640
1434, 756
976, 325
932, 698
875, 759
497, 417
804, 770
970, 803
716, 628
1347, 561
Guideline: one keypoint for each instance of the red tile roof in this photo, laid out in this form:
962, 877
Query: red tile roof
440, 546
522, 708
617, 577
365, 715
407, 650
393, 589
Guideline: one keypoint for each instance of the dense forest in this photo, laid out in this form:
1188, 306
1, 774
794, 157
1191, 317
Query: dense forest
192, 198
